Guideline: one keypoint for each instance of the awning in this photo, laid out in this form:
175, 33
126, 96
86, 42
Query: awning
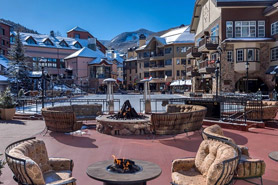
180, 82
272, 70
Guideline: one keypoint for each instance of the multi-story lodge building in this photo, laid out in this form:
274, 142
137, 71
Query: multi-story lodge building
130, 67
239, 36
4, 38
163, 58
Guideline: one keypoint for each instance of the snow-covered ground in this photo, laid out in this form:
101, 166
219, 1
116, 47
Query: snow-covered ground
134, 100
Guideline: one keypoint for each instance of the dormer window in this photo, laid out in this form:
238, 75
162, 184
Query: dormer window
30, 40
77, 45
48, 42
77, 36
63, 44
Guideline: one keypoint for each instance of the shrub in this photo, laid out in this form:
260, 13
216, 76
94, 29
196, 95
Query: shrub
6, 100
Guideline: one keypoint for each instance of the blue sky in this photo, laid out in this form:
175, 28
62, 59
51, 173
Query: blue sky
102, 18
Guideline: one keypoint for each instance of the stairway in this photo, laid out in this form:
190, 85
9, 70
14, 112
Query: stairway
20, 116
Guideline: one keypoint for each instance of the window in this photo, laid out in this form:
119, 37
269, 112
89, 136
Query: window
189, 62
3, 42
30, 40
168, 62
63, 44
146, 74
250, 55
3, 31
48, 42
181, 49
77, 45
229, 29
239, 55
168, 73
274, 28
215, 31
178, 73
140, 76
178, 61
146, 64
261, 28
257, 55
274, 54
35, 59
77, 36
230, 56
146, 54
168, 50
183, 61
245, 29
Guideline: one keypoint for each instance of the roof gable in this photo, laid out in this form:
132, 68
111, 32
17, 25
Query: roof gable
47, 41
63, 43
77, 28
86, 52
30, 40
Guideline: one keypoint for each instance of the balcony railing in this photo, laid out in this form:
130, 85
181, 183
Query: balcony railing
154, 54
194, 52
211, 43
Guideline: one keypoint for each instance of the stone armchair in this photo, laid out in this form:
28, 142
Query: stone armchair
214, 164
248, 167
29, 162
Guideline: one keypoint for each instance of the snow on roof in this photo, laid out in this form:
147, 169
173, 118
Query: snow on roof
4, 61
131, 59
3, 78
180, 82
35, 74
86, 52
142, 47
77, 28
40, 38
179, 35
98, 60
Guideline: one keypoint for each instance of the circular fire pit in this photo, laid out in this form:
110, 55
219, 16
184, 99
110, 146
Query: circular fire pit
148, 171
107, 125
125, 122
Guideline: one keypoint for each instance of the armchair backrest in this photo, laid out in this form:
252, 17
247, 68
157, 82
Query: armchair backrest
28, 160
217, 161
215, 132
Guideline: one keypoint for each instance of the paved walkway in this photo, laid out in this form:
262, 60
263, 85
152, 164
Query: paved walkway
15, 130
92, 147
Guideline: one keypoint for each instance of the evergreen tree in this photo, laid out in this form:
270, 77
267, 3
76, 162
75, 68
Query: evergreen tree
17, 68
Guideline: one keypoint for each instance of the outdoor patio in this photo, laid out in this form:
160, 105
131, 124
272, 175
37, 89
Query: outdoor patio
92, 147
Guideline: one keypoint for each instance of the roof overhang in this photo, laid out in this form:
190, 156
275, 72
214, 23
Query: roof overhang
271, 9
233, 3
196, 15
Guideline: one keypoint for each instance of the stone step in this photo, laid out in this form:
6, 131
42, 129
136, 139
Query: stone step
20, 116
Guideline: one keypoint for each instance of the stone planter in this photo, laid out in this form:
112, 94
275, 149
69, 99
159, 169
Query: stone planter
7, 114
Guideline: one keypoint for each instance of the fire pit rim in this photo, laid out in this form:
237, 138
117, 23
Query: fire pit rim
98, 172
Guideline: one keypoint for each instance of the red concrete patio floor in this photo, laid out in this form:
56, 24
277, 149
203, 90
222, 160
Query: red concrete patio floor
93, 146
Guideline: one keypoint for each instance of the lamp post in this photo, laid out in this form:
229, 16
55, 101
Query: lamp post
87, 80
247, 68
17, 71
220, 51
43, 87
217, 76
81, 85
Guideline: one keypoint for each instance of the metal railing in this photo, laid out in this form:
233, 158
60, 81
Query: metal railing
35, 105
230, 108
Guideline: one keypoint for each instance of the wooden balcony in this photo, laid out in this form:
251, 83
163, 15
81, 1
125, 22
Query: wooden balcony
193, 52
208, 44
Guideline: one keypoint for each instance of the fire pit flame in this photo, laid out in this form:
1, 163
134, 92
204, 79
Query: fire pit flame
123, 166
127, 112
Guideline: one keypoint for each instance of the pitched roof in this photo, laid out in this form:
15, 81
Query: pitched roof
77, 28
179, 35
86, 52
4, 61
3, 78
99, 60
40, 38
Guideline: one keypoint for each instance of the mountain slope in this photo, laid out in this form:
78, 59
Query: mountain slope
17, 26
126, 40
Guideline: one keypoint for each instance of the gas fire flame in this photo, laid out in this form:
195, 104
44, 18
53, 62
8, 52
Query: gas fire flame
121, 162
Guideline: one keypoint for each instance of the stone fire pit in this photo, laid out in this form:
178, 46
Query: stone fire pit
125, 122
106, 125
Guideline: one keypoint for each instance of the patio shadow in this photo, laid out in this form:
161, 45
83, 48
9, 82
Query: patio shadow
188, 143
82, 141
239, 139
16, 122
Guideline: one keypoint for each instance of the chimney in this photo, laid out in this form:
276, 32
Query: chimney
142, 40
52, 33
92, 44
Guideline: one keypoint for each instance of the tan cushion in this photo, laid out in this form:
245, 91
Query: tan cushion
190, 177
209, 157
250, 168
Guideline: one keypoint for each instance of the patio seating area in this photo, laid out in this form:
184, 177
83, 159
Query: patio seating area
93, 147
